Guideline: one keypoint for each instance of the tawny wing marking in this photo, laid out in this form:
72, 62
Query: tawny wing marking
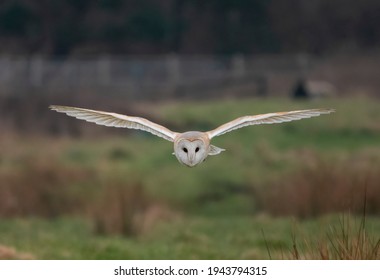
267, 119
116, 120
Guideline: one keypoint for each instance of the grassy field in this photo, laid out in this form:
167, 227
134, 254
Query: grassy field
127, 197
190, 237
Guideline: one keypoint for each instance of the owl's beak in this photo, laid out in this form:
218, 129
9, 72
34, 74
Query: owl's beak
192, 161
191, 164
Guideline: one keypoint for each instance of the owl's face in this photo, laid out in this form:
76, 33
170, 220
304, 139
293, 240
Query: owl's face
191, 151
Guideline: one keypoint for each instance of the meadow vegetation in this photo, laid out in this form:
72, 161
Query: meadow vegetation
279, 191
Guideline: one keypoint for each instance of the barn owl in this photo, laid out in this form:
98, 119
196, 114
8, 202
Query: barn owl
191, 148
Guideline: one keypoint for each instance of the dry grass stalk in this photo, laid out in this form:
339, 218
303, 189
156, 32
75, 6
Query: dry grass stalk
127, 210
343, 242
39, 189
117, 208
323, 188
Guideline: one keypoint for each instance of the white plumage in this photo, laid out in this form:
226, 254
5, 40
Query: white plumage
192, 147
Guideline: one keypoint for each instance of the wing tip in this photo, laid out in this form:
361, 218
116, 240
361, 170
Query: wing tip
327, 110
318, 111
56, 107
62, 109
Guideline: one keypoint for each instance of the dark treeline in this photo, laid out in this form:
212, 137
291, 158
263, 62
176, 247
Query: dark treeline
78, 27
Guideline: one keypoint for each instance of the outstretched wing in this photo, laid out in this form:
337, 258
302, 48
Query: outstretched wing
116, 120
267, 119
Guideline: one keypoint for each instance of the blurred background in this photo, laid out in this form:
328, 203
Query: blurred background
74, 190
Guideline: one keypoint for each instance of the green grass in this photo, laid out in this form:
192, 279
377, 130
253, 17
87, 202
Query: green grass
190, 237
215, 210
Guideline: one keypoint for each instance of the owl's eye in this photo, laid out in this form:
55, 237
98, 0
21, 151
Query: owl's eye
197, 149
185, 150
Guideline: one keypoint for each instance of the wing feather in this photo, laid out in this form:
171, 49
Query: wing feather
267, 119
116, 120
